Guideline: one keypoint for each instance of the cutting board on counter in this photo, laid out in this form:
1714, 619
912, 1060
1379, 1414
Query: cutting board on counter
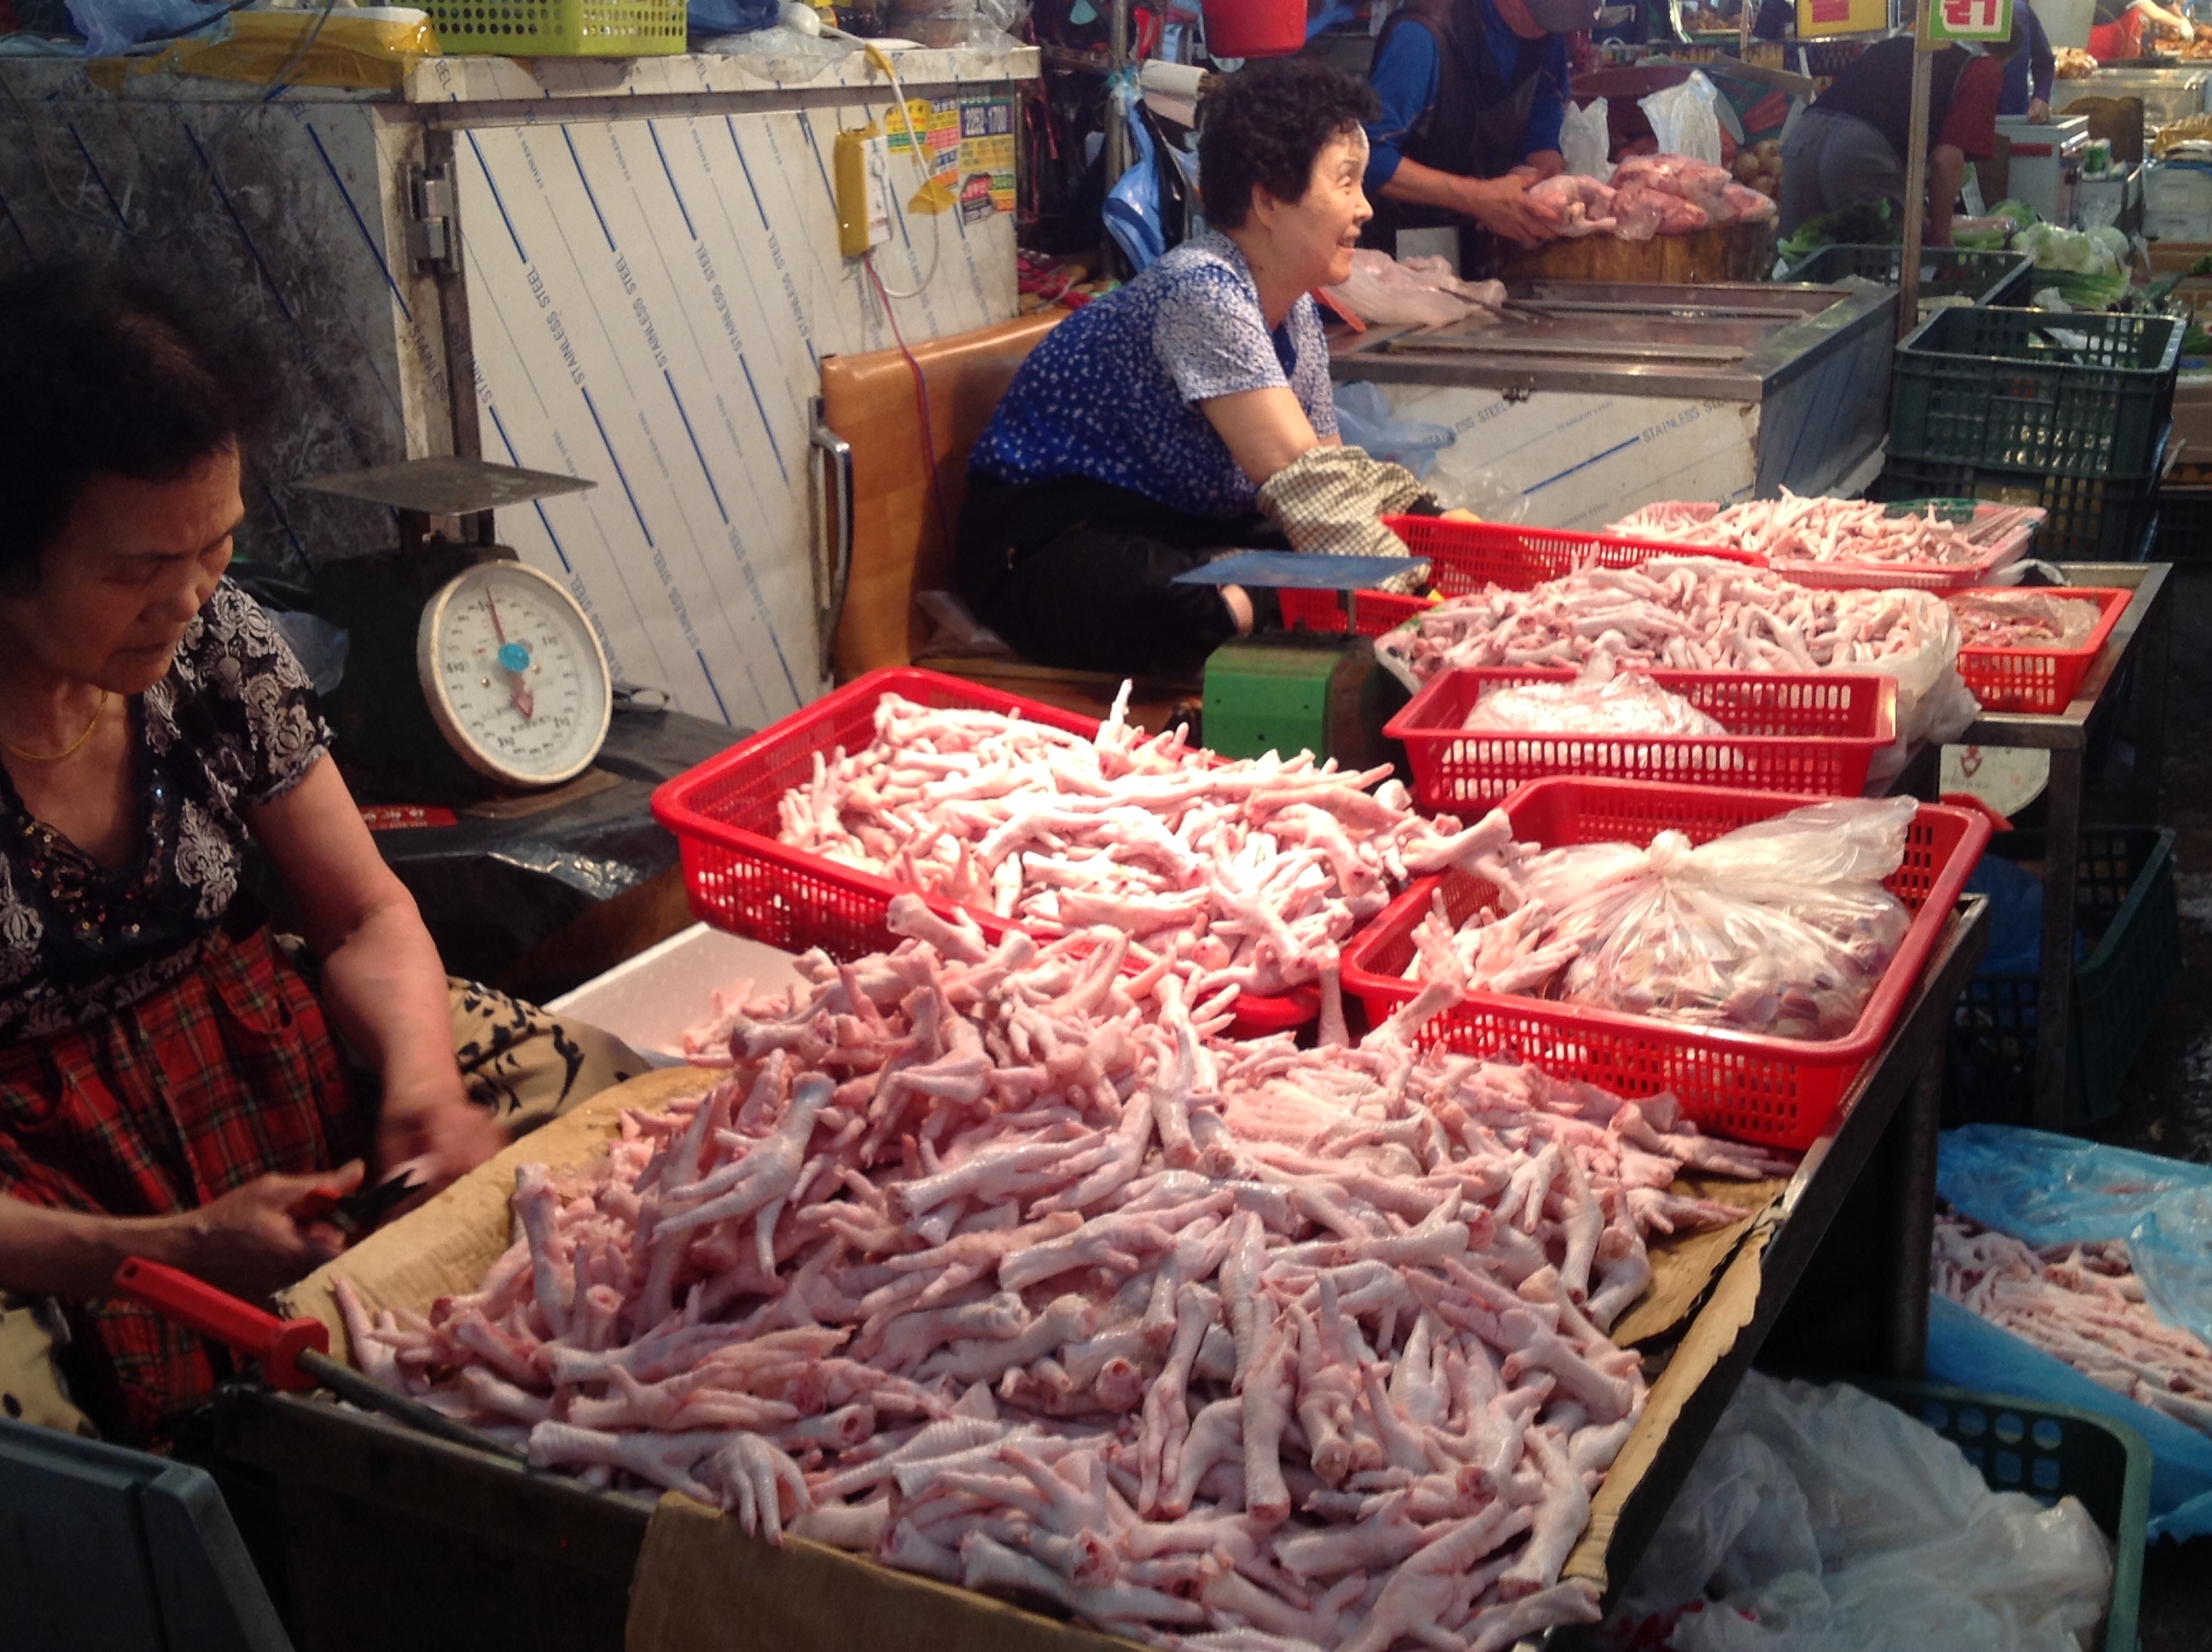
1723, 252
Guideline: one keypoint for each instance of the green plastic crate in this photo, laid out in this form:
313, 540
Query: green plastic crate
2050, 1451
1945, 271
2076, 395
559, 28
2087, 519
2124, 903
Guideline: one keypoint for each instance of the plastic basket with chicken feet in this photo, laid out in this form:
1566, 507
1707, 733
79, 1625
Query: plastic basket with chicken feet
1815, 733
724, 815
1781, 1092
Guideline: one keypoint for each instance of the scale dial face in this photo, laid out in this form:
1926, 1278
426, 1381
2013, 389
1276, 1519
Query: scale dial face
514, 675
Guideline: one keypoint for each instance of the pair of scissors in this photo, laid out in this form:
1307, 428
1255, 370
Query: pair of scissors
356, 1213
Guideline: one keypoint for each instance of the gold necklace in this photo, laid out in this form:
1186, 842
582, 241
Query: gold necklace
68, 751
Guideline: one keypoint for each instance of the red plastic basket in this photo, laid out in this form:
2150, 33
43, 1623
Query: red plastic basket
724, 815
1465, 556
1779, 1091
2038, 679
1807, 733
1882, 576
1373, 612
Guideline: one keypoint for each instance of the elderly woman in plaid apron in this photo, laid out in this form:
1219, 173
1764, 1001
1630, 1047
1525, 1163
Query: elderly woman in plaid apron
172, 1084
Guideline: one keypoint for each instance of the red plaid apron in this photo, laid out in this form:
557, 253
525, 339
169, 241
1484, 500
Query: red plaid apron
227, 1074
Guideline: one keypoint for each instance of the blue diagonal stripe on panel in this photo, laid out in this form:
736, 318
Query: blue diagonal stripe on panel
705, 470
1535, 487
492, 184
621, 474
515, 459
93, 167
359, 222
772, 445
586, 183
747, 168
712, 687
16, 224
667, 172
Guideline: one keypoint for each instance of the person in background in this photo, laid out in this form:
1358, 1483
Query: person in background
1850, 145
2030, 72
2120, 30
1189, 412
177, 1083
1473, 95
1775, 20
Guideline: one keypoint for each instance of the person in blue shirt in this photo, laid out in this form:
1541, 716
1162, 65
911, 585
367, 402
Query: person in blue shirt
1473, 94
2028, 74
1181, 415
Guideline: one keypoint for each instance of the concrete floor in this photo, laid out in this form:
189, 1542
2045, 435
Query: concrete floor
2168, 1104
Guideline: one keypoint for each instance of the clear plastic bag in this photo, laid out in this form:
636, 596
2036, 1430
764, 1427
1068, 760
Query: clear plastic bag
1575, 205
1419, 291
1628, 703
1365, 420
1684, 121
2024, 619
1586, 141
1781, 928
1825, 1519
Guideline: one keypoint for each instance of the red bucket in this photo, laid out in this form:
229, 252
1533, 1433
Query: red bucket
1255, 28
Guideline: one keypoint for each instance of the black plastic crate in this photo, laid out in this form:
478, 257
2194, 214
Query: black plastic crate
2089, 518
2124, 906
2081, 394
2184, 525
1945, 271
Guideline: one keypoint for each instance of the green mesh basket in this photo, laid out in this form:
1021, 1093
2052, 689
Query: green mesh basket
559, 28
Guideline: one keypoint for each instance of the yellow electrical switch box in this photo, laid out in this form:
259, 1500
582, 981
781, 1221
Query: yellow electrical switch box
861, 167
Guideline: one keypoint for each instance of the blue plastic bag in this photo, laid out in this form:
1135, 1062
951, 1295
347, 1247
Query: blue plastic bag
2015, 894
2053, 1190
111, 26
1969, 1352
1363, 418
1132, 210
733, 16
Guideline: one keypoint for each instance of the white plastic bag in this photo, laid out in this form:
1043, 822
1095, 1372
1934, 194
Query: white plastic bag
1586, 142
1420, 291
1462, 480
1628, 703
1684, 120
1824, 1520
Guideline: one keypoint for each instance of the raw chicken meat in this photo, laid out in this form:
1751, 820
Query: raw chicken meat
1002, 1268
1797, 528
2084, 1304
1243, 875
1629, 704
1747, 206
1576, 206
2023, 619
1781, 928
1696, 182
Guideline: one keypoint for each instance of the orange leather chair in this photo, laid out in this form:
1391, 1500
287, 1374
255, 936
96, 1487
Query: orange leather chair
880, 540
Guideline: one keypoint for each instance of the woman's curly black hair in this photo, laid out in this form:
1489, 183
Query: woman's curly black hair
107, 375
1264, 126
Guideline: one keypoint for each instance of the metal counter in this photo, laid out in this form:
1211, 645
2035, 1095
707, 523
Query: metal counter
2168, 94
1591, 399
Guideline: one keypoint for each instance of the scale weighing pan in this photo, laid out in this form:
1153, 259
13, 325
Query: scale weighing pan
1293, 570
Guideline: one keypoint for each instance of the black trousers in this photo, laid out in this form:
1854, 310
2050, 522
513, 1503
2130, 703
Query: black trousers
1079, 573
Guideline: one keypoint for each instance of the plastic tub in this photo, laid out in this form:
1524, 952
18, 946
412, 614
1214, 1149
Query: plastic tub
1465, 556
1810, 733
1778, 1091
2049, 1451
724, 815
2040, 680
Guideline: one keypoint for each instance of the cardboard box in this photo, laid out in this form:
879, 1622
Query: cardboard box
702, 1586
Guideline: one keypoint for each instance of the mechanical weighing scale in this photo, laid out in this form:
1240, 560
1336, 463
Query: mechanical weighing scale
468, 673
1294, 692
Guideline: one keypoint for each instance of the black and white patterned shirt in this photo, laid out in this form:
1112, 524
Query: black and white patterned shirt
234, 723
1110, 394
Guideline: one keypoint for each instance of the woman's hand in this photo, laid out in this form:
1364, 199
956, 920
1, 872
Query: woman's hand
440, 1131
1501, 205
250, 1241
2038, 112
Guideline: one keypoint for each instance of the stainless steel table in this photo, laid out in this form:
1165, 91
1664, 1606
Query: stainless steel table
2142, 638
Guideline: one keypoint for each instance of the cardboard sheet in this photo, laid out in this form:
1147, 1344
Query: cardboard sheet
702, 1586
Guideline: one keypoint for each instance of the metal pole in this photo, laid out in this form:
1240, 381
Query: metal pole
1916, 178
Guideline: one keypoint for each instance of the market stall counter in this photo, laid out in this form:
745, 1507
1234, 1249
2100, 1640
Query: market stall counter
2132, 668
370, 1533
1589, 399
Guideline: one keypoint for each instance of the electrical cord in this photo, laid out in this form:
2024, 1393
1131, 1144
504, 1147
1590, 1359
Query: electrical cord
878, 57
921, 403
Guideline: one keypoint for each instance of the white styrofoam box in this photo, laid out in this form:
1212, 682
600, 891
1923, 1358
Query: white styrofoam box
650, 1000
2178, 202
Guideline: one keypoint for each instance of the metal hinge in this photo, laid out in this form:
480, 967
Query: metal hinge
433, 234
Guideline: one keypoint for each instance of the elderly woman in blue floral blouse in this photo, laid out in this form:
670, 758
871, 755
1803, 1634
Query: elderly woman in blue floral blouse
1189, 412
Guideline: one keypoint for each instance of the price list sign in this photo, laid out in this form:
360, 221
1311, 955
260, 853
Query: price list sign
1970, 20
